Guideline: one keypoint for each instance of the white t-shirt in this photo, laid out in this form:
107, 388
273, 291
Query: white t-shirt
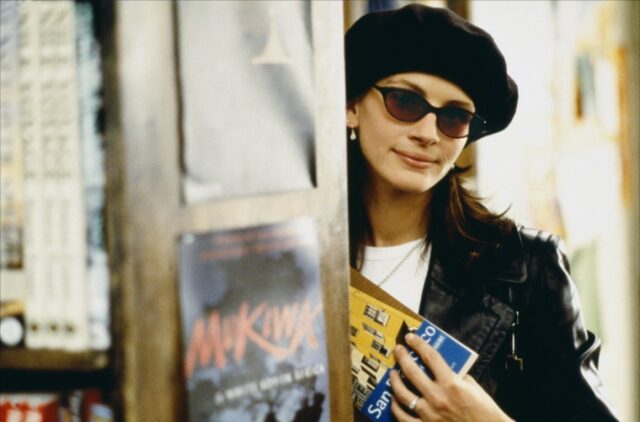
408, 280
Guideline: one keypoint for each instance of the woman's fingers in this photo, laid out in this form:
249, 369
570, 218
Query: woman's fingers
437, 396
412, 371
430, 357
404, 396
399, 412
446, 397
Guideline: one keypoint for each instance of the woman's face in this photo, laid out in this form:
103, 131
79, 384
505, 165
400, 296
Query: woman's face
409, 157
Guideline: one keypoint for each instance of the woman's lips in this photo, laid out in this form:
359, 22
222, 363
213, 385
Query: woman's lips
420, 161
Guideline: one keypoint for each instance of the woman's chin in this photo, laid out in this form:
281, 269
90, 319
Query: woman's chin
414, 186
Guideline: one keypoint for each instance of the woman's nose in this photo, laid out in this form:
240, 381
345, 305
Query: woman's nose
425, 130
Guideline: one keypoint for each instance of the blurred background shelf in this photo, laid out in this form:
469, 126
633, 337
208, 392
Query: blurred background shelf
53, 360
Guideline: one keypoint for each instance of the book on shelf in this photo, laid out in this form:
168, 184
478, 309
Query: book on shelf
378, 322
29, 407
13, 285
253, 331
74, 406
54, 219
52, 249
94, 178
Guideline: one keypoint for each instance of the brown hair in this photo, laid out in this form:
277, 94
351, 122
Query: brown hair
461, 227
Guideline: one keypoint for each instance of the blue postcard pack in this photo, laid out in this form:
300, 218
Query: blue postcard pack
377, 407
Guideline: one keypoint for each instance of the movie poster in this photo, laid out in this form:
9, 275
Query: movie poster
247, 96
254, 345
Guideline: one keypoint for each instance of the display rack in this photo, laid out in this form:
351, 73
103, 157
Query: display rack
142, 125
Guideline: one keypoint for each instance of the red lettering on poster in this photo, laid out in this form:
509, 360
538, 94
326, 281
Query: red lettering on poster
283, 330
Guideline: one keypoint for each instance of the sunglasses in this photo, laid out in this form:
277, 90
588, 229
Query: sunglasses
409, 106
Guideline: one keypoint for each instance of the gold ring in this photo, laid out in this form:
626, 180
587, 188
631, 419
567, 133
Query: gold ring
413, 403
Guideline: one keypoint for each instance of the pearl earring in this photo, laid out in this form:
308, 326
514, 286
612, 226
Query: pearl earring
352, 135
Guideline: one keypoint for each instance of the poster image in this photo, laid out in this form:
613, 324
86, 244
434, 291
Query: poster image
247, 96
254, 345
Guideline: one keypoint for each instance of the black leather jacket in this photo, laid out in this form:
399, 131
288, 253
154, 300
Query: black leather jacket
529, 274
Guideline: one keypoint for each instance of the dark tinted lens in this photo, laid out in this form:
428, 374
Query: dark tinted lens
405, 105
454, 121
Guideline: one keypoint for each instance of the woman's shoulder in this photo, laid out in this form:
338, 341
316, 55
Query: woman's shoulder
536, 260
530, 267
543, 248
540, 241
530, 241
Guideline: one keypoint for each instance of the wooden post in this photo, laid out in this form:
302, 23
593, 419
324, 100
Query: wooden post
147, 215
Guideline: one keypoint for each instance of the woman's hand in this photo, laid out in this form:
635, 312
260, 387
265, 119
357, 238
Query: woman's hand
448, 397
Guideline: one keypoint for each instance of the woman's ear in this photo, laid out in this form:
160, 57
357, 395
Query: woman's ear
352, 115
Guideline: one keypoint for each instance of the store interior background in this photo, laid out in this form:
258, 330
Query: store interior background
568, 163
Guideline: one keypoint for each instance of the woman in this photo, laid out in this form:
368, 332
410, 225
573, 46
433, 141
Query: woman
422, 83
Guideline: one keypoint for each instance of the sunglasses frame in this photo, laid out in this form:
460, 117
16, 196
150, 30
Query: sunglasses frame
432, 109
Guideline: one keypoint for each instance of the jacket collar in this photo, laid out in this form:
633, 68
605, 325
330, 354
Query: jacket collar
508, 262
464, 310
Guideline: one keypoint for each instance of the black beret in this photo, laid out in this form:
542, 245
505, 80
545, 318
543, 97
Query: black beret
419, 38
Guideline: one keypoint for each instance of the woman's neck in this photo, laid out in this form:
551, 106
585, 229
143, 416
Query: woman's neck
396, 217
